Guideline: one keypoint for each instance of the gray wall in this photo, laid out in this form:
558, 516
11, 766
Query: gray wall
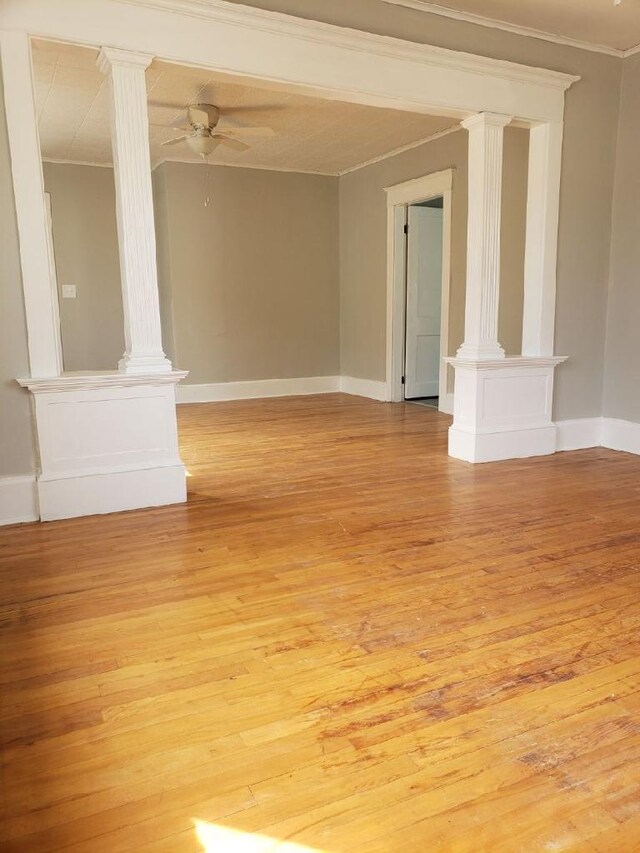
86, 251
253, 275
622, 366
588, 169
16, 428
363, 247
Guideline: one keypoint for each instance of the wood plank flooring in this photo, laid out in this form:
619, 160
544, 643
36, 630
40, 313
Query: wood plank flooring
346, 642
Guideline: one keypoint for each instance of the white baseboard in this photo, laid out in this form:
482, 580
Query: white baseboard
18, 499
498, 446
217, 392
579, 433
110, 491
371, 388
446, 403
621, 435
612, 433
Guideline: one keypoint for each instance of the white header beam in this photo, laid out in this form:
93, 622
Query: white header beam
309, 55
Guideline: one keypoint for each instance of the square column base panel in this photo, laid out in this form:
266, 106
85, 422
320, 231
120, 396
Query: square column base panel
502, 408
108, 442
94, 494
496, 446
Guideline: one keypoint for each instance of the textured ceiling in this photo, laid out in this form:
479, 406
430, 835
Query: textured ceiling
595, 22
311, 134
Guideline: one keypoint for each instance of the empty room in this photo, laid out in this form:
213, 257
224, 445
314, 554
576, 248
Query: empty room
319, 426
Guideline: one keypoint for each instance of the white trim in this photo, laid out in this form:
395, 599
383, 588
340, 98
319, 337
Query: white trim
519, 443
612, 433
399, 197
245, 166
95, 381
579, 433
508, 361
446, 403
302, 55
18, 499
621, 435
317, 32
631, 51
215, 392
496, 24
372, 388
410, 146
76, 163
93, 493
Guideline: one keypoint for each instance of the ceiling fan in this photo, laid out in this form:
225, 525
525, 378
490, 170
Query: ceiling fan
205, 134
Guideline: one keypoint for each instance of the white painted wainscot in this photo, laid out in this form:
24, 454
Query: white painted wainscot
107, 442
502, 408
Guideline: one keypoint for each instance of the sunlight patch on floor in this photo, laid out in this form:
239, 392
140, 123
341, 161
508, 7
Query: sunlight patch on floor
222, 839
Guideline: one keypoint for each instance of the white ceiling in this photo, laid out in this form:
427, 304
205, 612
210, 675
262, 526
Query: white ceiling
311, 134
594, 22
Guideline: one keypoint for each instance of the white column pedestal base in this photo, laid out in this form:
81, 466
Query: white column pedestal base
502, 408
108, 442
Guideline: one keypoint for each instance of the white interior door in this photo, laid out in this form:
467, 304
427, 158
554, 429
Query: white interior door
424, 297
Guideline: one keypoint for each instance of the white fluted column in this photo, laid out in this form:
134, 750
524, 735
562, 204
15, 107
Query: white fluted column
134, 210
40, 298
486, 131
541, 252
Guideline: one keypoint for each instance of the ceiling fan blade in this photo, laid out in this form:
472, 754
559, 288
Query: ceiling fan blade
247, 131
230, 142
178, 139
251, 108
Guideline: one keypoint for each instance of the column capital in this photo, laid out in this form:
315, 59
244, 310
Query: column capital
112, 56
486, 120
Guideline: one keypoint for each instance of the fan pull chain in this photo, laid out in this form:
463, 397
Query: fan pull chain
207, 180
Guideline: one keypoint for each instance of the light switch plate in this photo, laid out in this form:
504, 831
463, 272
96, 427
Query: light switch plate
68, 291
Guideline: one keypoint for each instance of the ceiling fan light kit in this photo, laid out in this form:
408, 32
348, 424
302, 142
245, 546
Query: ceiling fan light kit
206, 136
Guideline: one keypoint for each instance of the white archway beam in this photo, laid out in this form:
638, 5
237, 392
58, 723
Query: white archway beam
382, 71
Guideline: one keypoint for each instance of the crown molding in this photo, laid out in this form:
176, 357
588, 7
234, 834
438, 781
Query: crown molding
189, 162
60, 162
438, 135
631, 51
358, 40
505, 26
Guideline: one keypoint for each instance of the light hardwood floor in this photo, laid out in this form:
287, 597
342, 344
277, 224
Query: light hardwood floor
346, 640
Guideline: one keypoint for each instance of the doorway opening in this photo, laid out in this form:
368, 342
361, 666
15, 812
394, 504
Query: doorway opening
418, 284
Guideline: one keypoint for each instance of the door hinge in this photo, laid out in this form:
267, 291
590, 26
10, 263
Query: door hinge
406, 228
403, 378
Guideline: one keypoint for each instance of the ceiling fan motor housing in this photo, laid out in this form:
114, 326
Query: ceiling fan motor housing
203, 115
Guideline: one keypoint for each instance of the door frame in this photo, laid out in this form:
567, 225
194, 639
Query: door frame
399, 198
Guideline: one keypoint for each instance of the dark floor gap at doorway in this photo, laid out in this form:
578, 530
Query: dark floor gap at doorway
431, 402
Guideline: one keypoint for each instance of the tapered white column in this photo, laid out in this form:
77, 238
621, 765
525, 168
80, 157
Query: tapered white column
134, 210
486, 131
541, 252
